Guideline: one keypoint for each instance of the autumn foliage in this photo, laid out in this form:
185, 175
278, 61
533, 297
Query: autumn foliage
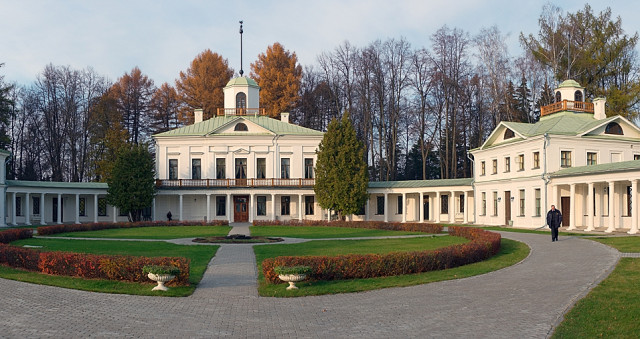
55, 229
377, 225
14, 234
482, 246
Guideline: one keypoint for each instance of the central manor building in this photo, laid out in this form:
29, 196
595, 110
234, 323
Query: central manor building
242, 165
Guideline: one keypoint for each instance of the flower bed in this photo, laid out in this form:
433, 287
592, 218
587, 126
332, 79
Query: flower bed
14, 234
482, 246
48, 230
378, 225
91, 266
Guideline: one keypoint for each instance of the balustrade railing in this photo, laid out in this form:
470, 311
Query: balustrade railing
566, 105
240, 111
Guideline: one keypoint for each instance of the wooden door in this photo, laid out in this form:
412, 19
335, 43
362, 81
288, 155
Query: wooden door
241, 208
565, 209
425, 206
507, 207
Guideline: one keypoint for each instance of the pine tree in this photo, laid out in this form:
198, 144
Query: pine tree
341, 172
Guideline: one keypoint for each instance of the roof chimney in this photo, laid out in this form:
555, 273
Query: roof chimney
598, 108
284, 117
197, 115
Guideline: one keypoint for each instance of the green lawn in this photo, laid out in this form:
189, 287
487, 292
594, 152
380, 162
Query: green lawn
320, 232
160, 232
524, 230
511, 252
199, 255
622, 244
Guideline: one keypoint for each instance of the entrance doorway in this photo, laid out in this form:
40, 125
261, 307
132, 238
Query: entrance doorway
425, 206
507, 207
55, 211
565, 209
241, 208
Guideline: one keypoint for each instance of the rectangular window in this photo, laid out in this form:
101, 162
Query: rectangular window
284, 205
629, 200
399, 209
636, 157
536, 160
18, 206
308, 168
484, 203
36, 205
522, 203
605, 202
102, 207
196, 172
444, 204
538, 203
284, 168
261, 205
82, 207
221, 205
380, 205
241, 168
221, 168
495, 166
483, 168
520, 162
461, 207
173, 169
565, 159
261, 168
309, 201
495, 204
592, 158
507, 164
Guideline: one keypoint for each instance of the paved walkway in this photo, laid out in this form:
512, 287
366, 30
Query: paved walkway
525, 300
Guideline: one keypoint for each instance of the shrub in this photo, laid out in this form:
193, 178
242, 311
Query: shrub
14, 234
286, 270
482, 246
55, 229
378, 225
156, 269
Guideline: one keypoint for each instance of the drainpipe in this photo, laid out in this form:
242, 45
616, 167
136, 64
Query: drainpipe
473, 185
545, 177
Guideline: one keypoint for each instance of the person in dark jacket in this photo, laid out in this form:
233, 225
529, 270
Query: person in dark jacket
554, 219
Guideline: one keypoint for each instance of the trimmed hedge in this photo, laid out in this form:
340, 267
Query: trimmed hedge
482, 246
378, 225
90, 266
64, 228
14, 234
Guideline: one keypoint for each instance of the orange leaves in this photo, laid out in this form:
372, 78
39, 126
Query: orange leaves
48, 230
15, 234
377, 225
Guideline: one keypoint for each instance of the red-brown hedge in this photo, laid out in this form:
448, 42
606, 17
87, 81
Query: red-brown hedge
90, 266
483, 245
48, 230
379, 225
14, 234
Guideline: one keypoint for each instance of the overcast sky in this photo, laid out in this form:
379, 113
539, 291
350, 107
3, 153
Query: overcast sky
163, 37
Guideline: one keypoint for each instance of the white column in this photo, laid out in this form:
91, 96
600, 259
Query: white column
590, 211
115, 214
13, 209
436, 207
78, 208
404, 207
27, 209
366, 209
228, 207
95, 208
386, 207
452, 207
180, 208
251, 207
465, 219
208, 207
42, 210
612, 219
273, 207
634, 207
421, 206
572, 207
300, 214
59, 208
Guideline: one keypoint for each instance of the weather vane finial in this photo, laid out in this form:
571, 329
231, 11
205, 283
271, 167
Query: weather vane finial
241, 71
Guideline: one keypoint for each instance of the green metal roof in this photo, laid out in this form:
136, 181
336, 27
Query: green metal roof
598, 169
56, 184
569, 83
242, 81
421, 183
208, 126
561, 123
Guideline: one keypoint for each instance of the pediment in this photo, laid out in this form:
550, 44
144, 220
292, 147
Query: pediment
240, 126
616, 126
502, 133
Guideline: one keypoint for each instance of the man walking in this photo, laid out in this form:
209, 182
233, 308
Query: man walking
554, 219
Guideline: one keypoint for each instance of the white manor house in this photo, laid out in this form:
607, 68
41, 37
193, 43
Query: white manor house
242, 165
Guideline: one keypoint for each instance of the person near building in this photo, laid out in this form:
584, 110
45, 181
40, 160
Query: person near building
554, 219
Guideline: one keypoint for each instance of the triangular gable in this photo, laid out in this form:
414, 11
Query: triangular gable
497, 136
229, 128
627, 126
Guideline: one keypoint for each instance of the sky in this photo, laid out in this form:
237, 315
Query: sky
163, 37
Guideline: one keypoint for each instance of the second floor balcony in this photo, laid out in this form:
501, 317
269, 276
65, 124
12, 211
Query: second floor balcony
234, 183
240, 111
566, 105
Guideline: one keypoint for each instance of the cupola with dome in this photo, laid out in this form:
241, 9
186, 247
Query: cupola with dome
570, 96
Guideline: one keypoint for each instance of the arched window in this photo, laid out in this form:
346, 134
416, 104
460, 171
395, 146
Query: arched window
241, 100
508, 134
558, 96
241, 127
577, 96
613, 128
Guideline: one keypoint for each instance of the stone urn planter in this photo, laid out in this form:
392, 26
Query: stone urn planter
161, 275
292, 275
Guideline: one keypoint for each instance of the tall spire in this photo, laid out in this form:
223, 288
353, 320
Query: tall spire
241, 71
